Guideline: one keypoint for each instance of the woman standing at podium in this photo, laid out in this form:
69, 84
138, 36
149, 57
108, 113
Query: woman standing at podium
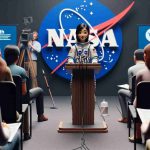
82, 52
82, 81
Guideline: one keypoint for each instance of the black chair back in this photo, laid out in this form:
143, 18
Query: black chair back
18, 81
143, 95
26, 97
8, 101
133, 88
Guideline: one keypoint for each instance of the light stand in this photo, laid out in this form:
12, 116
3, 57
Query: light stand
83, 144
50, 94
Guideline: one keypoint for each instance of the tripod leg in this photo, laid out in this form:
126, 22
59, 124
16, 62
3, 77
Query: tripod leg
32, 69
26, 66
21, 57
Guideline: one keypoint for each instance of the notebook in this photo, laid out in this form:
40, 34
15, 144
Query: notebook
124, 86
13, 130
144, 114
13, 127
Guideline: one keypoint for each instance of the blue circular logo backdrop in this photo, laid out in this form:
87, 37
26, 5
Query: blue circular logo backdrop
69, 14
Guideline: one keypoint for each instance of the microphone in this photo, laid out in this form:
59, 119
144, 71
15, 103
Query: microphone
82, 56
43, 72
79, 59
85, 56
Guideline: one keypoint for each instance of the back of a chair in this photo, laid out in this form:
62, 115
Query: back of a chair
8, 101
133, 88
143, 95
18, 81
26, 97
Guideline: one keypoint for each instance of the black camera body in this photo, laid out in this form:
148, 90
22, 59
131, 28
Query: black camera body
26, 36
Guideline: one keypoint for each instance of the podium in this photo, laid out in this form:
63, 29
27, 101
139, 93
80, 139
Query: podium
83, 99
83, 89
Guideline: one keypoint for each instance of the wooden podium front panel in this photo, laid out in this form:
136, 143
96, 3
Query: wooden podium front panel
83, 97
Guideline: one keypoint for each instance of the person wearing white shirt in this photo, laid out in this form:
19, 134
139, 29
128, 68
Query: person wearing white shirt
35, 47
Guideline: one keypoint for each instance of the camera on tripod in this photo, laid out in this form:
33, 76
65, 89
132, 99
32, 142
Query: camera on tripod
26, 36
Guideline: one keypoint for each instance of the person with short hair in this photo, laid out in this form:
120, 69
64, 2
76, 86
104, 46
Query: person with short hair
34, 48
142, 75
125, 94
5, 75
11, 54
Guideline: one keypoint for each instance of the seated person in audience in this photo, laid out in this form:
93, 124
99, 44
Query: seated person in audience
11, 54
125, 94
4, 136
142, 75
5, 73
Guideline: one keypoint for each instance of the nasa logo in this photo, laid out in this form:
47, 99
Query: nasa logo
2, 32
147, 35
57, 34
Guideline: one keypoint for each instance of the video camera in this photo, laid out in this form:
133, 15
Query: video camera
26, 36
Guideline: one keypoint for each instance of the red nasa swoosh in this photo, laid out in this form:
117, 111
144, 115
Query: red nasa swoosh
101, 28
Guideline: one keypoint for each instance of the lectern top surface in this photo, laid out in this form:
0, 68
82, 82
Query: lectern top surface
89, 66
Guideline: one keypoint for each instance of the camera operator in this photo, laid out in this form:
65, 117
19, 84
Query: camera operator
34, 47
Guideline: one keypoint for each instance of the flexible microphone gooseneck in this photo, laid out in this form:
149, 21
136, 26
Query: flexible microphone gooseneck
83, 59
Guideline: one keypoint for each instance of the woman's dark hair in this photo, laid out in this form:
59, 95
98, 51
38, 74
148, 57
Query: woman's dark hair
147, 57
79, 28
11, 53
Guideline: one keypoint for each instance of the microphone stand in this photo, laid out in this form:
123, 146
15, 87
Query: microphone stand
82, 60
50, 94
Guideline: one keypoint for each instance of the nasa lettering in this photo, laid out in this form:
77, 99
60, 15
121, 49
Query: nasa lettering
57, 34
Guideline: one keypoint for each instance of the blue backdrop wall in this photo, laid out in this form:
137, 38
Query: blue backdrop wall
13, 12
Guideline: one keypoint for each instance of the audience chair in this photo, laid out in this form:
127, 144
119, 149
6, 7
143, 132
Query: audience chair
132, 88
22, 101
143, 101
27, 97
130, 102
8, 101
8, 104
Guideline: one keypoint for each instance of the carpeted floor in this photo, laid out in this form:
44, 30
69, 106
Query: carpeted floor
46, 137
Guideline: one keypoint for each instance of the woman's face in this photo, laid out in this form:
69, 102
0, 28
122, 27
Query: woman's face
83, 34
